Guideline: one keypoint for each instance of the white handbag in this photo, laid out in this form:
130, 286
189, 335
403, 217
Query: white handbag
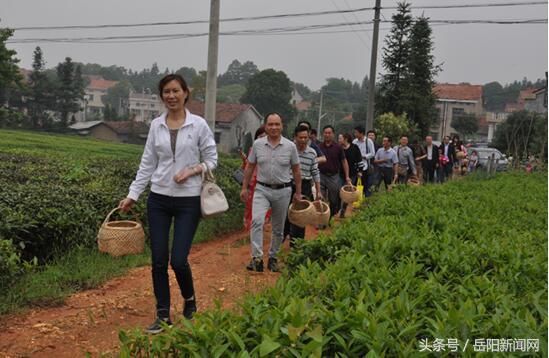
212, 199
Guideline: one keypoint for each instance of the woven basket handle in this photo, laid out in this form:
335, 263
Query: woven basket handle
115, 209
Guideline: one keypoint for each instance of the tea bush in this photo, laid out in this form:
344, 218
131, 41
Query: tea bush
56, 190
465, 260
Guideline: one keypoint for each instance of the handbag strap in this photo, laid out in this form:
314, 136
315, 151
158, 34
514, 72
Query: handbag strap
207, 174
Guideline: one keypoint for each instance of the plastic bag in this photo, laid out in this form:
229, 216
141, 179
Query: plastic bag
360, 189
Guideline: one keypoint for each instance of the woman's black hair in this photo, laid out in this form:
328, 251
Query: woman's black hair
174, 77
259, 132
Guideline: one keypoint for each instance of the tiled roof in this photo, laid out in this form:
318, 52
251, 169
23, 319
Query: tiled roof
99, 83
125, 127
225, 112
84, 125
525, 94
461, 91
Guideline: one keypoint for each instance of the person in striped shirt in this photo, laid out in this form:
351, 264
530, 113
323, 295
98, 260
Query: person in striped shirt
309, 175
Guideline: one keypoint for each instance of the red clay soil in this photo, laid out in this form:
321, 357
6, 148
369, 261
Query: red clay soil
89, 321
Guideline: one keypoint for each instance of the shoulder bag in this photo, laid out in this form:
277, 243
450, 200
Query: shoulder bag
212, 199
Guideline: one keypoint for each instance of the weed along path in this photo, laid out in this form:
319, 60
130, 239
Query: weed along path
89, 321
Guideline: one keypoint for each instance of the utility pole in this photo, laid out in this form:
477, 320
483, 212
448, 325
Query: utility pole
211, 76
373, 62
319, 113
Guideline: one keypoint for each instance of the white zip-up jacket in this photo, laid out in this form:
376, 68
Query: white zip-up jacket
195, 144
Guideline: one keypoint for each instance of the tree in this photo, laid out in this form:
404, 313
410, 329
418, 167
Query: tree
40, 99
10, 78
199, 86
238, 73
521, 134
303, 90
230, 93
465, 124
389, 124
270, 91
70, 90
494, 99
419, 99
116, 99
188, 73
395, 61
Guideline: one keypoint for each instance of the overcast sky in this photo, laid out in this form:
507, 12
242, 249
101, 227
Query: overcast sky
477, 53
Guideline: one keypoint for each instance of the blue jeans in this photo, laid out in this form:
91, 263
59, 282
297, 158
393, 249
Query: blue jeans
185, 214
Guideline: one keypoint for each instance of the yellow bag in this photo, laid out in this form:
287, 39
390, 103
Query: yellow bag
359, 189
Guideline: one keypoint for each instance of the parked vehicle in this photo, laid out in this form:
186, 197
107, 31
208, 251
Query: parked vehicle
485, 154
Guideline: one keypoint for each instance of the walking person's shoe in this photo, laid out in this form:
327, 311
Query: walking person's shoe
272, 265
158, 325
190, 308
256, 264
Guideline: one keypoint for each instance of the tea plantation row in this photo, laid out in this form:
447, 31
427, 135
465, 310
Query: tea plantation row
466, 260
56, 190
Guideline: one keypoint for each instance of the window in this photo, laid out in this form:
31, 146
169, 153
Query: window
217, 137
90, 98
457, 112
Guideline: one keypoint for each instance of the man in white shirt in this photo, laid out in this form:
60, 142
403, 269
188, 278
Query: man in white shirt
367, 150
430, 161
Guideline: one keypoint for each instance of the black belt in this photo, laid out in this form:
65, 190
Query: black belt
275, 186
330, 174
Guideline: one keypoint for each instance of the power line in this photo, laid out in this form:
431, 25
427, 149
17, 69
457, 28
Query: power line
351, 26
278, 16
249, 32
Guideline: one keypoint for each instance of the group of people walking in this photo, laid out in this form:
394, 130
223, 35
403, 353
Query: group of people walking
181, 146
279, 171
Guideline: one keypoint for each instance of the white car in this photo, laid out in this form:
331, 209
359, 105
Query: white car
485, 154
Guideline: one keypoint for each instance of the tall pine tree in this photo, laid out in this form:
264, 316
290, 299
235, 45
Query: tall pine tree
10, 78
69, 90
419, 99
395, 60
40, 99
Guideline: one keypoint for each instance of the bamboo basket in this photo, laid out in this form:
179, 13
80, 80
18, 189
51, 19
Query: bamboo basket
322, 212
119, 238
460, 155
413, 180
302, 213
349, 194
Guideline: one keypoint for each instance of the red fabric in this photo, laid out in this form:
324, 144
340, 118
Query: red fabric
250, 200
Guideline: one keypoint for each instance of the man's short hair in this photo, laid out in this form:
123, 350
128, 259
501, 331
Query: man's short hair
304, 123
371, 131
272, 114
389, 139
301, 128
360, 129
328, 126
404, 136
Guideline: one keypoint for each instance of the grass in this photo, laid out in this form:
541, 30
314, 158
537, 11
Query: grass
80, 269
51, 144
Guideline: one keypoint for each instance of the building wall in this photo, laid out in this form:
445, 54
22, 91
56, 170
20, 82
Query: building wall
536, 105
103, 132
247, 121
446, 111
145, 107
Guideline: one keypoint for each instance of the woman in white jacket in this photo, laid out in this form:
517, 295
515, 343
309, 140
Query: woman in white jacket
178, 147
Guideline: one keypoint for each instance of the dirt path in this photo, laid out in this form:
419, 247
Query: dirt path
89, 321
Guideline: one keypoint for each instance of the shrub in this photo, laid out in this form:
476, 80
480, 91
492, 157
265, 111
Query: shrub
463, 260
